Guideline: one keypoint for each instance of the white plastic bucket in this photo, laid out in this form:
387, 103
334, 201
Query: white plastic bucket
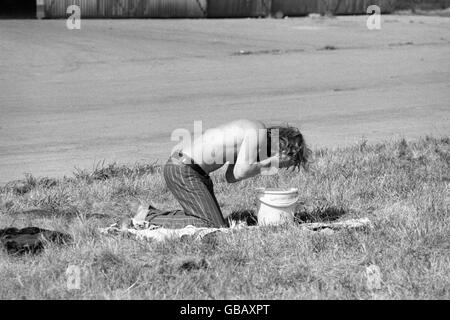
276, 206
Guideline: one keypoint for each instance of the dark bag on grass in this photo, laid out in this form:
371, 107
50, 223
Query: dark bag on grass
30, 240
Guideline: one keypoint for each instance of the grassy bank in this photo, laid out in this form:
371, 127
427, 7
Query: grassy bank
403, 187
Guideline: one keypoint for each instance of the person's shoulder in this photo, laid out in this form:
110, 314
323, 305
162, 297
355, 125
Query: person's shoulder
249, 124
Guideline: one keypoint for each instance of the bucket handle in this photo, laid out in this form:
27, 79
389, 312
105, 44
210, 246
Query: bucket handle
281, 205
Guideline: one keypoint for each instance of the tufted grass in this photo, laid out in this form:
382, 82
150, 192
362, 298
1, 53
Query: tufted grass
402, 186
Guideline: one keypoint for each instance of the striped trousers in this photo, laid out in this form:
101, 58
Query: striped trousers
195, 194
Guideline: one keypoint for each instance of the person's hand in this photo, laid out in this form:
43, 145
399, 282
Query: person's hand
285, 161
267, 163
277, 160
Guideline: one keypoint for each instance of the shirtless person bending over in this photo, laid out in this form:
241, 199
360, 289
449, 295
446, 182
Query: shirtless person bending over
247, 147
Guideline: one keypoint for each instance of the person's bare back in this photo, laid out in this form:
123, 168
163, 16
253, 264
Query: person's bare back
241, 143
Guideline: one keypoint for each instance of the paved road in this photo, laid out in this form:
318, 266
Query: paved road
116, 89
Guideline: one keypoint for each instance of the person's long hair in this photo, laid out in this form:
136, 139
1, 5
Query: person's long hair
293, 145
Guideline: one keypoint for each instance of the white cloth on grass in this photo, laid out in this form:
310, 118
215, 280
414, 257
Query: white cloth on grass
145, 230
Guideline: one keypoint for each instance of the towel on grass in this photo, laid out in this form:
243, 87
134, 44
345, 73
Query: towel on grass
145, 230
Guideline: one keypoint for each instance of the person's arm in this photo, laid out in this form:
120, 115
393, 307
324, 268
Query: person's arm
247, 172
246, 165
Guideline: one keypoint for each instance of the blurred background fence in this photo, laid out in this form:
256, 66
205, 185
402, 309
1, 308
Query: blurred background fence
210, 8
205, 8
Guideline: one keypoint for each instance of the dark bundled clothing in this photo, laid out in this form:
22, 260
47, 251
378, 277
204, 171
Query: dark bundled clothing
30, 240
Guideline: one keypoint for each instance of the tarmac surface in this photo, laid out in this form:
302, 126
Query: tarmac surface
116, 89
